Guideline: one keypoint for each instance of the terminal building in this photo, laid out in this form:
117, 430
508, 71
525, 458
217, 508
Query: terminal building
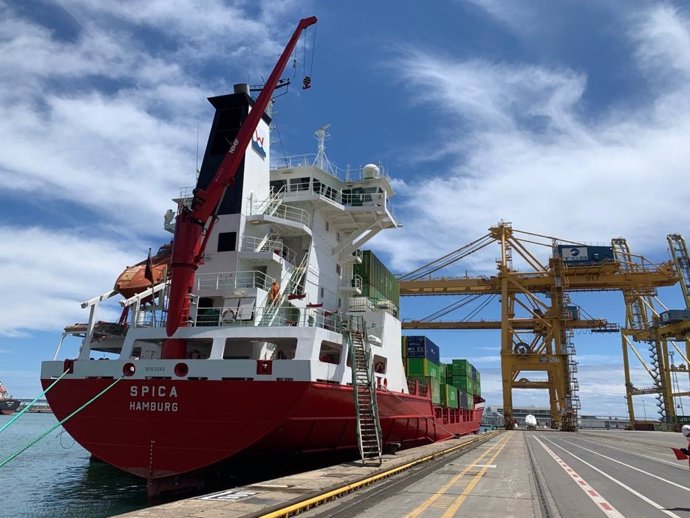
543, 415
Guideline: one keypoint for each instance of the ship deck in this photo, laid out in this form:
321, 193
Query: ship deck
517, 473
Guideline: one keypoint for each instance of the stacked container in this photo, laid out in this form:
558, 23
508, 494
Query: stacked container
421, 357
378, 283
452, 385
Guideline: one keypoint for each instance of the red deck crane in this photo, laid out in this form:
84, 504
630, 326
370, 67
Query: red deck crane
194, 224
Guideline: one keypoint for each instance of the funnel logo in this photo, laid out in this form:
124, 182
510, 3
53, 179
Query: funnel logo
258, 145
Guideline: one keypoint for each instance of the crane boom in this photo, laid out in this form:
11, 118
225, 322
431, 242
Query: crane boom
188, 245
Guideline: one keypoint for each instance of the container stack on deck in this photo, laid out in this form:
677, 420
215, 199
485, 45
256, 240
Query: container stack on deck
452, 385
378, 283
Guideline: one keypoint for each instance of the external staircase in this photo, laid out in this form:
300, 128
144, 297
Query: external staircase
364, 390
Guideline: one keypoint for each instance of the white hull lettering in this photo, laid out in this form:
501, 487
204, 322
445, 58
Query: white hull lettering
152, 391
153, 406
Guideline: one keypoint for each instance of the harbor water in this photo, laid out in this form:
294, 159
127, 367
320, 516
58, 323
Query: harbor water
55, 478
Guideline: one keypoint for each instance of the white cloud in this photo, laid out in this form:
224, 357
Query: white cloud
522, 149
49, 273
98, 123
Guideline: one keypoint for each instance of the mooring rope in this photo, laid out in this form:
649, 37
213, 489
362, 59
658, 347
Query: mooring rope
36, 439
8, 423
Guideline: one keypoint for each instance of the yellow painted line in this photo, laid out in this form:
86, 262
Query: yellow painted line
470, 487
319, 499
424, 505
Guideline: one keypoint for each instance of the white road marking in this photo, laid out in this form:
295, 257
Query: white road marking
630, 467
603, 504
668, 463
624, 486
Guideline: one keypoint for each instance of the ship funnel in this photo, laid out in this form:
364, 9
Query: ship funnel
241, 88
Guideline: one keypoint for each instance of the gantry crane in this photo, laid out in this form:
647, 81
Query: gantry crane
650, 322
537, 320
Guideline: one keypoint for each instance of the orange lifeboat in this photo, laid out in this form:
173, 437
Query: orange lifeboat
134, 280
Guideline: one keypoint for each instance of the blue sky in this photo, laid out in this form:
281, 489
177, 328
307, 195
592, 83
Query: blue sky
566, 118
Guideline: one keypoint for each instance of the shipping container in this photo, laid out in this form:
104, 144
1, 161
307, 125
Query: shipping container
378, 283
576, 255
442, 372
449, 396
426, 382
422, 367
675, 315
422, 347
465, 400
461, 368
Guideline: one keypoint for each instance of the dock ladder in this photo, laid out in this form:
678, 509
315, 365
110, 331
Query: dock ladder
364, 390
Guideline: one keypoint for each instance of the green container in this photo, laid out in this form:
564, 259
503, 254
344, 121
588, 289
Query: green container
449, 396
403, 345
378, 282
417, 367
462, 368
435, 390
428, 381
466, 385
442, 373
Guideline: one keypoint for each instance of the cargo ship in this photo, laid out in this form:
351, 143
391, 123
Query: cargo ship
289, 340
8, 405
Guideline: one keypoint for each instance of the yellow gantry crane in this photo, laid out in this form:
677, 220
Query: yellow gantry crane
537, 319
650, 322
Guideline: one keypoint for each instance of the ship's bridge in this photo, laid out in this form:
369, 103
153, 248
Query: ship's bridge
352, 199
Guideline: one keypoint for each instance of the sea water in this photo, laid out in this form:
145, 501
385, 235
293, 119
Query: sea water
55, 478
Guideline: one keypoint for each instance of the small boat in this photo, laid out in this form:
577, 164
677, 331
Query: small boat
133, 279
8, 405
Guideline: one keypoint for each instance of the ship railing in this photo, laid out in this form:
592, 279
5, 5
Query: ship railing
273, 206
348, 174
230, 280
328, 192
357, 283
296, 214
258, 244
229, 316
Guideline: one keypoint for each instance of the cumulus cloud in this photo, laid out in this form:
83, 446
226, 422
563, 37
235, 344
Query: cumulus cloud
100, 106
519, 146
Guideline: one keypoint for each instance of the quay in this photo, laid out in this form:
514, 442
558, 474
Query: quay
509, 474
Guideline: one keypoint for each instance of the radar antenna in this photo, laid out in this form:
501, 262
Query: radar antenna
321, 136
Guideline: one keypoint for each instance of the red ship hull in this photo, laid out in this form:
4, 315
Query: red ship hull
161, 428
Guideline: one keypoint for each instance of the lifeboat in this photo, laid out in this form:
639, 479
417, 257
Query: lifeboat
133, 280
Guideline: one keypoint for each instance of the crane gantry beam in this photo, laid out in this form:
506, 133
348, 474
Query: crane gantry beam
518, 323
606, 277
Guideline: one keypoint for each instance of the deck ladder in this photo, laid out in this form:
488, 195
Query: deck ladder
294, 283
364, 390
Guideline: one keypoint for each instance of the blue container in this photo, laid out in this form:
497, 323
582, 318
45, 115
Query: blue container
575, 255
675, 315
422, 347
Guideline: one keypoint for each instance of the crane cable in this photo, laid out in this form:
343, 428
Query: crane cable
306, 83
60, 423
448, 259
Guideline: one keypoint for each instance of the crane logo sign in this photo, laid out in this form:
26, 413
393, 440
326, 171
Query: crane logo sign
258, 144
576, 253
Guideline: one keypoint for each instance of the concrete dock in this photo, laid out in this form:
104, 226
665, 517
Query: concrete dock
516, 473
